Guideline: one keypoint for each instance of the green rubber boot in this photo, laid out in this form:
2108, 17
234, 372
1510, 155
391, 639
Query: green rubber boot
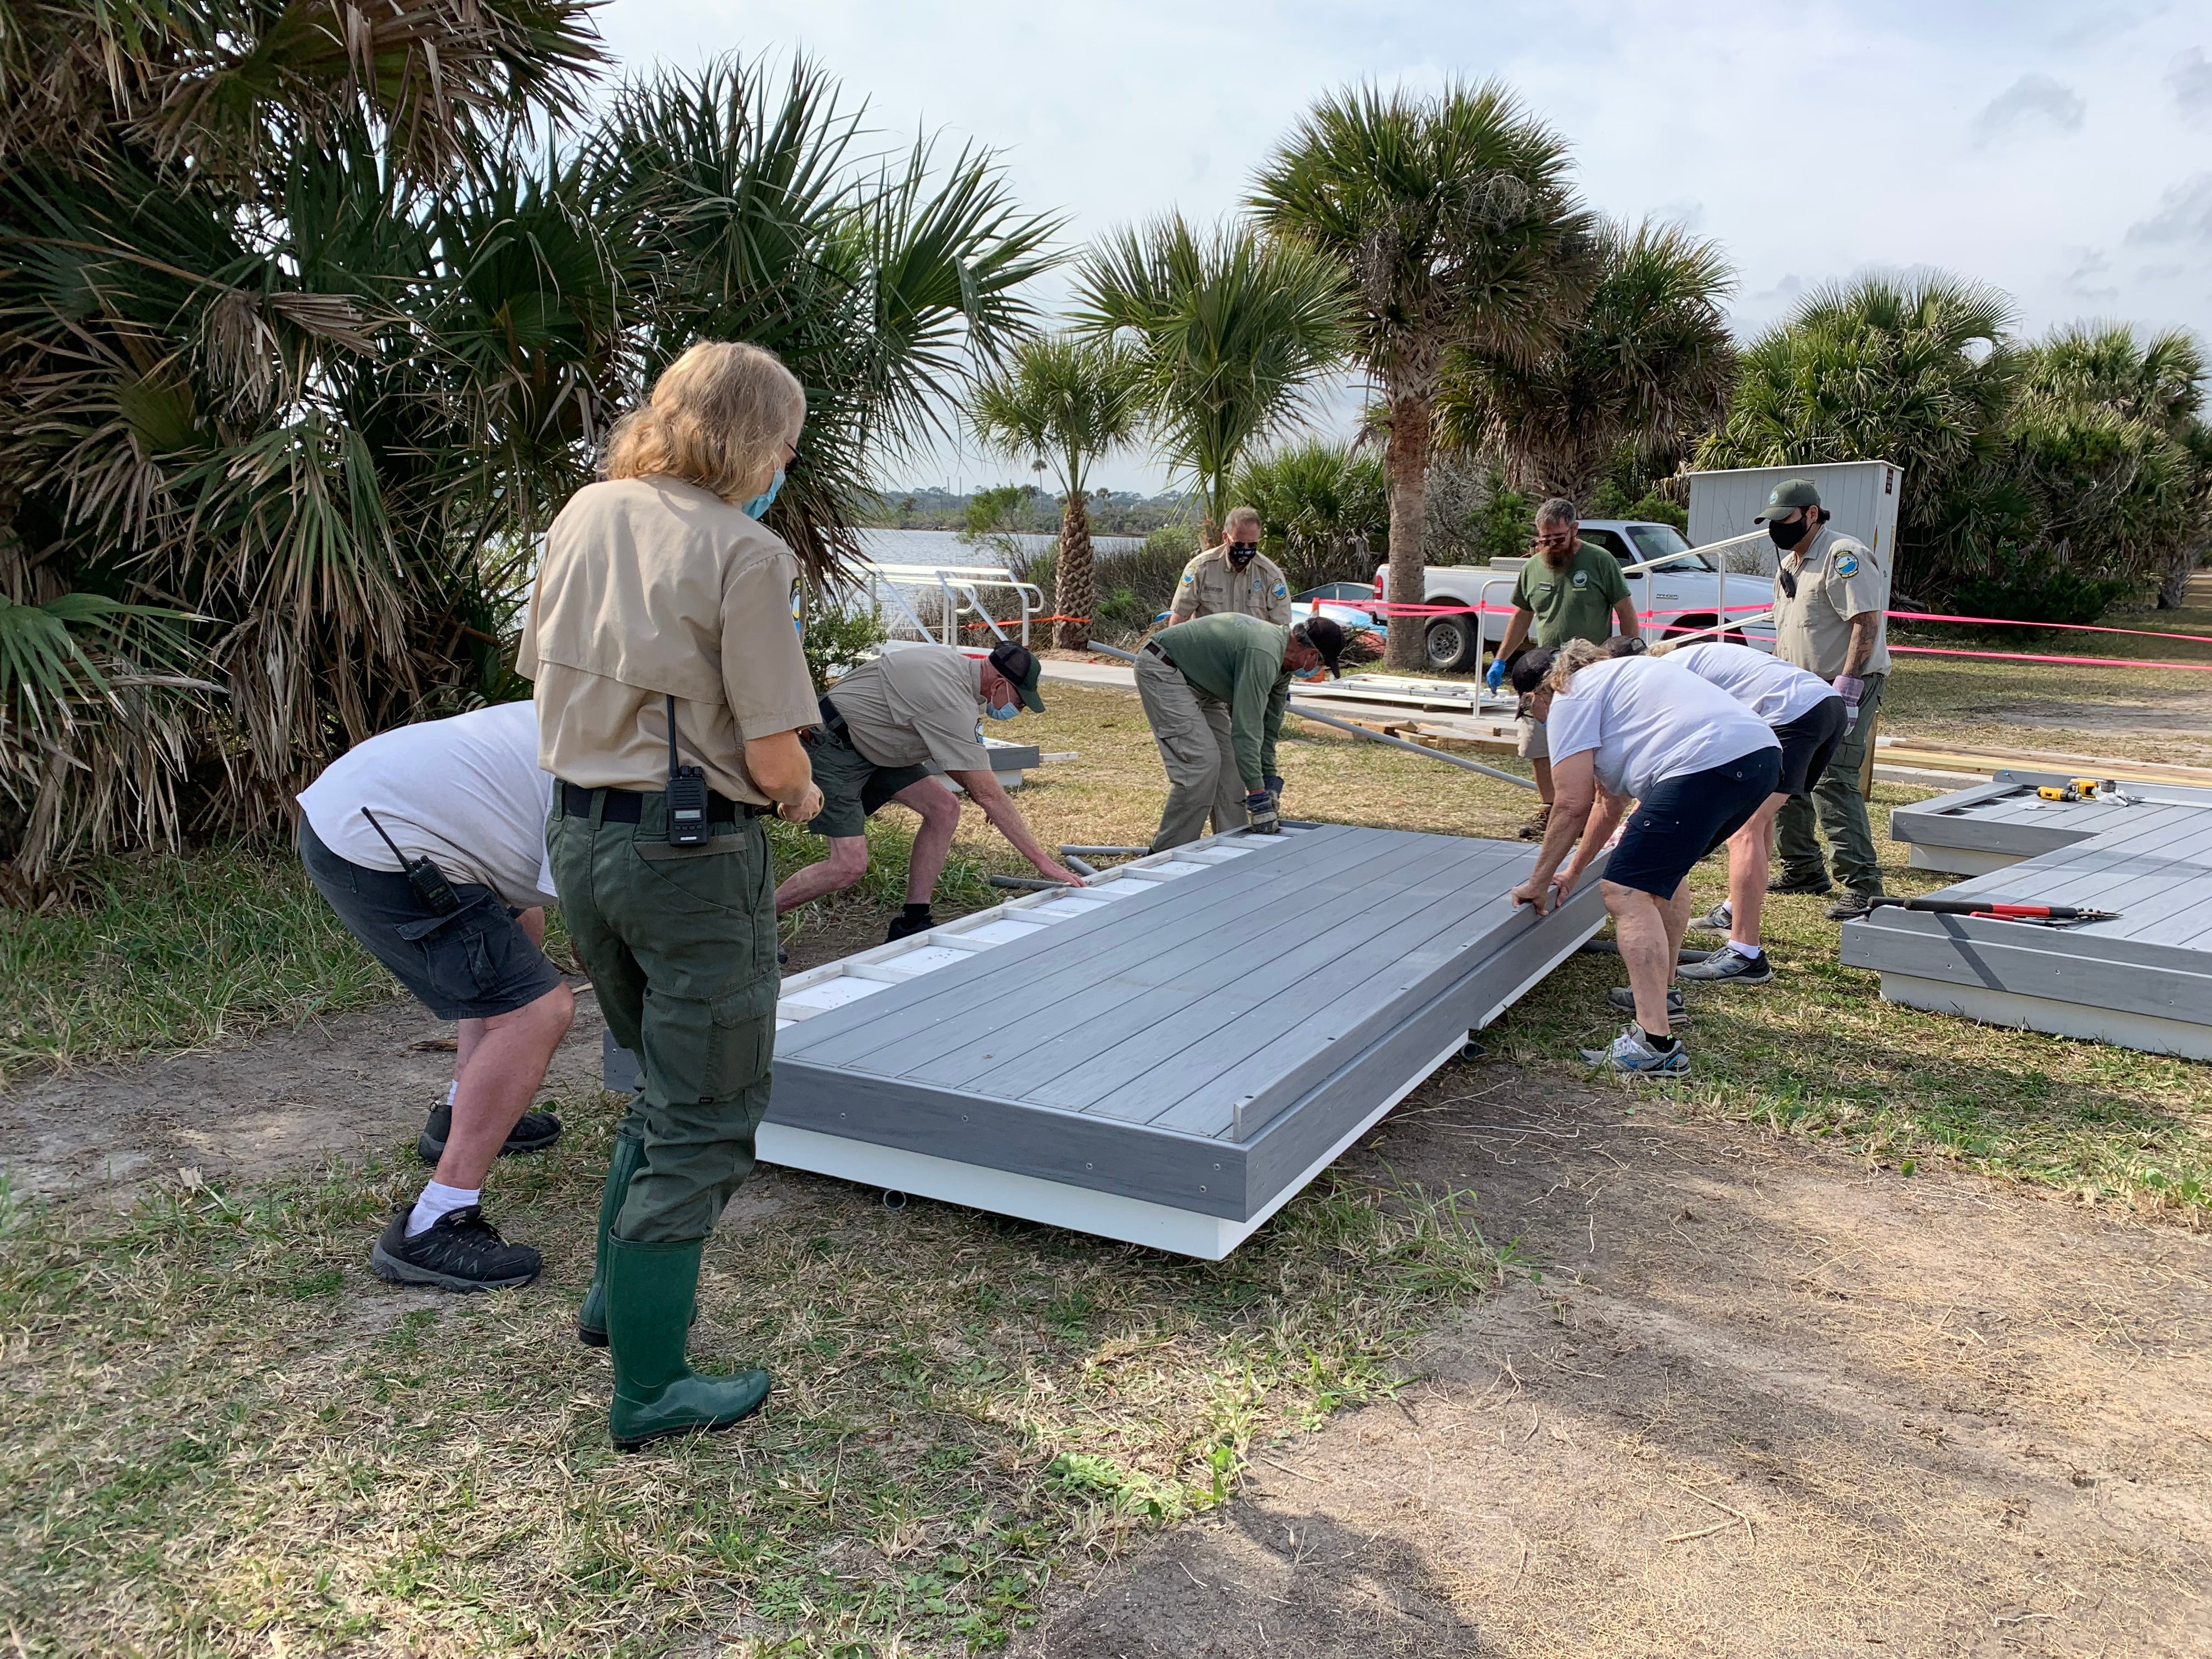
651, 1289
592, 1317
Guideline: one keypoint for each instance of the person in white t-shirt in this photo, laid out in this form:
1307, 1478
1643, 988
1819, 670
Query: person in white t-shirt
430, 843
1807, 717
1695, 762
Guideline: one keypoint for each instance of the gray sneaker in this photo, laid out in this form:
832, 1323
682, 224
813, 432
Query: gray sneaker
1718, 919
1630, 1054
1624, 999
1729, 965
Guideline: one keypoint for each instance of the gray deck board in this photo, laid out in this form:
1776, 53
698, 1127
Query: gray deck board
2150, 860
942, 1014
1172, 976
1309, 981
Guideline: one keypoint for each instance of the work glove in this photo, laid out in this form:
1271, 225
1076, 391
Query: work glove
1850, 687
1274, 786
1260, 808
1495, 676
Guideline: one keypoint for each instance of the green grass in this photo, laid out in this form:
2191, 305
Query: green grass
1819, 1053
162, 953
159, 953
224, 1437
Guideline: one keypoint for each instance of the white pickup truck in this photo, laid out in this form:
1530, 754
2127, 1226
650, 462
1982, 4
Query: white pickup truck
1678, 590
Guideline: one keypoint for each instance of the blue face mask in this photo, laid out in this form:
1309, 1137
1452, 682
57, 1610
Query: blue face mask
761, 503
998, 713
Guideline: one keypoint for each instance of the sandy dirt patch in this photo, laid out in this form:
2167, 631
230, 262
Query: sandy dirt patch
1759, 1402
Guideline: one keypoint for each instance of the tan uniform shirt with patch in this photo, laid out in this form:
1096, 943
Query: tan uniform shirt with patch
911, 706
651, 586
1836, 580
1211, 587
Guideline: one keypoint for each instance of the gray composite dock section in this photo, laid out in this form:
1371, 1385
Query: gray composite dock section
1168, 1055
1203, 1047
2143, 981
1972, 832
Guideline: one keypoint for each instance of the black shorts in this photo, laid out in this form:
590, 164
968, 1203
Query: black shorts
475, 964
1684, 819
1809, 743
853, 787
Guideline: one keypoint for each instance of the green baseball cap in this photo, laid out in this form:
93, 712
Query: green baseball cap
1019, 664
1786, 498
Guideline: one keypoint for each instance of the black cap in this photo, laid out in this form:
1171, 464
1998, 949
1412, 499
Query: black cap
1326, 637
1529, 668
1019, 664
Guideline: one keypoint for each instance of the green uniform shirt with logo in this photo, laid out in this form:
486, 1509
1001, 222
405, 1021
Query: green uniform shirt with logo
1238, 660
1573, 604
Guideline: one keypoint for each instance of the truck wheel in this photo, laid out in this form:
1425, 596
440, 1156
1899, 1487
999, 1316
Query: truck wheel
1453, 646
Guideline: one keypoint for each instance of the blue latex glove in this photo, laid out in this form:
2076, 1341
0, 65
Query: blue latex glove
1495, 676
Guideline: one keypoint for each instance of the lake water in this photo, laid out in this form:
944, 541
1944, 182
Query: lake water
945, 547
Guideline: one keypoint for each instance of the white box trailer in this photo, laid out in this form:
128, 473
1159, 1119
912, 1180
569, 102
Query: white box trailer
1862, 495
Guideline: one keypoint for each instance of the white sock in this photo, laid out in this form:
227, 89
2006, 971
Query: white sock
453, 1089
1748, 952
438, 1200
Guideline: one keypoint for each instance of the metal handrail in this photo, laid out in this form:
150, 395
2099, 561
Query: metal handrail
960, 586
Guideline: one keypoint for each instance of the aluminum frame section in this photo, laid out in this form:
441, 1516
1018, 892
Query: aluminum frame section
1977, 830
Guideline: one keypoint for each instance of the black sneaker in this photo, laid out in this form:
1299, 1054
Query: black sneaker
1535, 829
459, 1251
533, 1132
1850, 908
903, 924
1815, 881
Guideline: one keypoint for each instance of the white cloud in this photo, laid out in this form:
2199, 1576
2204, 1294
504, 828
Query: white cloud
1104, 110
2183, 216
2190, 80
2031, 98
2086, 265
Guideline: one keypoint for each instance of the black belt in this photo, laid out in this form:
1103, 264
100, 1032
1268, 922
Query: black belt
1153, 646
628, 806
832, 721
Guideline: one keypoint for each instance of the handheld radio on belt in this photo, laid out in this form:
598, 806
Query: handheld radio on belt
687, 794
427, 880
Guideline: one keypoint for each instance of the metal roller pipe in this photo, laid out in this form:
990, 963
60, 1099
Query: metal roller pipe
1028, 884
1305, 714
1077, 864
1080, 851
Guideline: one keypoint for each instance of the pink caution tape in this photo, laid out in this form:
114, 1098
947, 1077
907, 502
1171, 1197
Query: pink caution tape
2029, 656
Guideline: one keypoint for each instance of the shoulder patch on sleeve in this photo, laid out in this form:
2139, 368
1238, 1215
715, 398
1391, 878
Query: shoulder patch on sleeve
1848, 565
797, 606
1281, 591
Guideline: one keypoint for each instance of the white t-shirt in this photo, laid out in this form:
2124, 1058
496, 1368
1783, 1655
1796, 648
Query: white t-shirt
1777, 691
466, 793
1650, 721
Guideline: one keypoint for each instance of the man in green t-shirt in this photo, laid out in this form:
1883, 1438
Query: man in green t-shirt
1568, 590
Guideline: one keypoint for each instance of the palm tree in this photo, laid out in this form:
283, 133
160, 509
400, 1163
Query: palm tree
1229, 330
1648, 361
1324, 505
321, 395
1917, 370
1455, 220
1064, 402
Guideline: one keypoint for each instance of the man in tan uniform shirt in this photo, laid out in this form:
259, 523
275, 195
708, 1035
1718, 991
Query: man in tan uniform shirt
1234, 577
1830, 601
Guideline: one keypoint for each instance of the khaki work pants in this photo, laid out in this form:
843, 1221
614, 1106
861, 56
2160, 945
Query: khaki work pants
680, 943
1838, 803
1193, 731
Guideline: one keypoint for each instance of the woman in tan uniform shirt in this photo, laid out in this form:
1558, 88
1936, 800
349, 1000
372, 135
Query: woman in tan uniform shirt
662, 601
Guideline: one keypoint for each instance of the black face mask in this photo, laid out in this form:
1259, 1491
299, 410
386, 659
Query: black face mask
1240, 553
1787, 536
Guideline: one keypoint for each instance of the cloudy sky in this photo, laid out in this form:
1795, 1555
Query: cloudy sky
2062, 152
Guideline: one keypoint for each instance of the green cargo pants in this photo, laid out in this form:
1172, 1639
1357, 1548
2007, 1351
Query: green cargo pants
1193, 731
680, 943
1841, 809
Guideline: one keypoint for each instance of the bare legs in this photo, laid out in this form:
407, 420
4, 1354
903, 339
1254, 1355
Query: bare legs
1650, 933
937, 808
1749, 863
498, 1064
